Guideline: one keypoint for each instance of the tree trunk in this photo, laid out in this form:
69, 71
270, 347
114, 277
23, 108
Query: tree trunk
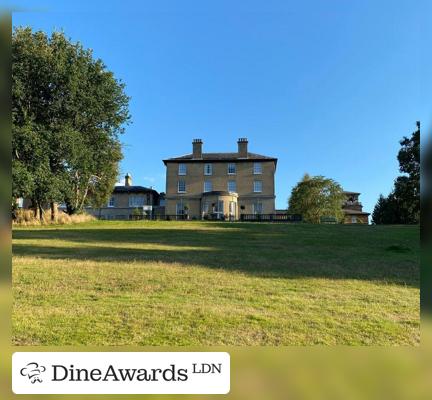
54, 211
35, 207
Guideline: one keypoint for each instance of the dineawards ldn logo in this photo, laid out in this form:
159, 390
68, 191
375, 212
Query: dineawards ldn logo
33, 371
121, 373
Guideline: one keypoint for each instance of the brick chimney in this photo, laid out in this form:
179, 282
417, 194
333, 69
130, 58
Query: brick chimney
128, 180
197, 148
242, 148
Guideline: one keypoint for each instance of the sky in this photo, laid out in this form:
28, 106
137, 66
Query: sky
327, 87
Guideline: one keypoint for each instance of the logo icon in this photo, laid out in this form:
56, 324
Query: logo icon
33, 371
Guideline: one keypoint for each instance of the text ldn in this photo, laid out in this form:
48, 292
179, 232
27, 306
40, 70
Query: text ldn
72, 374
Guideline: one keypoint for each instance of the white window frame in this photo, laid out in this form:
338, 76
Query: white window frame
220, 207
232, 183
136, 201
111, 202
183, 182
257, 208
257, 186
182, 169
180, 209
208, 186
257, 168
208, 169
235, 168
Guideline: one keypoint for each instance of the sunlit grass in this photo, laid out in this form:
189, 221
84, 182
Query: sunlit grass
176, 283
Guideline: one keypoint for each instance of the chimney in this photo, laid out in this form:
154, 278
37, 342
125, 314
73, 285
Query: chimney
197, 148
242, 148
128, 180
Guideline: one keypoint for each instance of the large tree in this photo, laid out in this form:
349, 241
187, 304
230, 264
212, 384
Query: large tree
316, 197
402, 205
68, 111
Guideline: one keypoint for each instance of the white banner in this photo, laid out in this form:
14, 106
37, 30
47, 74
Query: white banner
120, 373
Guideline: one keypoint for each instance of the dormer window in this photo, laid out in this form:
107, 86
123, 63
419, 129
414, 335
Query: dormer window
208, 169
182, 170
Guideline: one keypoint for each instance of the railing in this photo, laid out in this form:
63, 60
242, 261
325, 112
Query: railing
270, 218
243, 218
159, 217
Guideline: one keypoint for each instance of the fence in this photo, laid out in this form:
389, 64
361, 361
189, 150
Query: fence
243, 218
270, 218
159, 217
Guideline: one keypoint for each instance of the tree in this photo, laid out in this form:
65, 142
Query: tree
317, 197
386, 210
402, 205
68, 111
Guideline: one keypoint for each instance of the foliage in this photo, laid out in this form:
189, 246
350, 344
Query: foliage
317, 197
402, 205
67, 112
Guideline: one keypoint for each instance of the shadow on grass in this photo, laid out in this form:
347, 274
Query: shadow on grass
283, 251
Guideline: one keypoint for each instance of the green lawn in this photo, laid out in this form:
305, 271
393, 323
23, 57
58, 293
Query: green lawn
197, 283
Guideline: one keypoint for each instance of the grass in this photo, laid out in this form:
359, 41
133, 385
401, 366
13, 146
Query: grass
197, 283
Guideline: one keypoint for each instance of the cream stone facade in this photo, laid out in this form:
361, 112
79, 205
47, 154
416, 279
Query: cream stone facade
220, 185
128, 202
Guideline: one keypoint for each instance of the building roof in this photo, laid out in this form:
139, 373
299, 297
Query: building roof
133, 189
354, 212
219, 157
346, 192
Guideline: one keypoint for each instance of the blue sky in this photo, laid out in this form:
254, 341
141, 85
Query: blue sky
328, 87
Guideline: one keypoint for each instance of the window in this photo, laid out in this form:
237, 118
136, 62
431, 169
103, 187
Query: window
181, 186
257, 168
232, 186
208, 169
136, 201
205, 207
208, 187
231, 169
353, 220
257, 208
182, 170
257, 186
180, 209
111, 202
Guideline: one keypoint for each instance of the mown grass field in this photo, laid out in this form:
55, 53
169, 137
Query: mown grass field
197, 283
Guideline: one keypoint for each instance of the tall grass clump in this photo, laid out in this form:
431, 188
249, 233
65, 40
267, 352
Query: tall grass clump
27, 218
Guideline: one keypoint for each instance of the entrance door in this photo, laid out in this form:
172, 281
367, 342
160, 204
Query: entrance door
232, 210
